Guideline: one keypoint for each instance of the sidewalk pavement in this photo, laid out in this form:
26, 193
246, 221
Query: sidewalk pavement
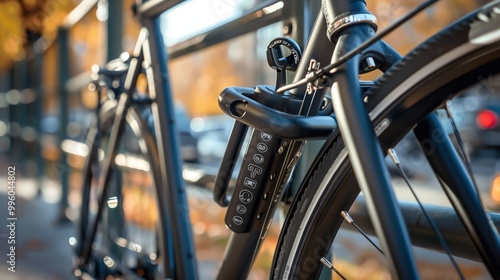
42, 250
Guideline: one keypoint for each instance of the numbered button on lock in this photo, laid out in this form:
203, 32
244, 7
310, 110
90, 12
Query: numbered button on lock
261, 147
241, 209
266, 137
245, 196
237, 220
255, 170
258, 158
250, 183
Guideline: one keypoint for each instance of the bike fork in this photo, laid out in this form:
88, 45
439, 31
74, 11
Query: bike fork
368, 164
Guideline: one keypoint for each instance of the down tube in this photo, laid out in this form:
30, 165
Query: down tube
243, 248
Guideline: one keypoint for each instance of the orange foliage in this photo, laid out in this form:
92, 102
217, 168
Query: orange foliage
21, 21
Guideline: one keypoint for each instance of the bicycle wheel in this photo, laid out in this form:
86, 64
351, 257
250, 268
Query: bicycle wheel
439, 70
130, 241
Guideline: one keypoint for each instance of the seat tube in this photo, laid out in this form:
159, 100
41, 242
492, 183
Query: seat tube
170, 161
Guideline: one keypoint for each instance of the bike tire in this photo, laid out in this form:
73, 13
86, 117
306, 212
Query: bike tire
147, 266
436, 71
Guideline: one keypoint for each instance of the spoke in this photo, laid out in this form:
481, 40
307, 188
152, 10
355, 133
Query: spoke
328, 264
350, 220
396, 161
455, 131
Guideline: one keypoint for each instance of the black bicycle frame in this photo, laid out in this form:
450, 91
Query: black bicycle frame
181, 263
357, 130
169, 154
365, 152
367, 157
368, 162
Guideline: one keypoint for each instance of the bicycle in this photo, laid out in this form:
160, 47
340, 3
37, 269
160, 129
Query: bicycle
369, 118
119, 112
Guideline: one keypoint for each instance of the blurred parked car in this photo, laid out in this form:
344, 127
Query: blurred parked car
212, 133
488, 129
188, 138
488, 124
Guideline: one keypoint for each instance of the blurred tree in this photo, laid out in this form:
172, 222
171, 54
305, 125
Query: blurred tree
422, 26
24, 21
11, 35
